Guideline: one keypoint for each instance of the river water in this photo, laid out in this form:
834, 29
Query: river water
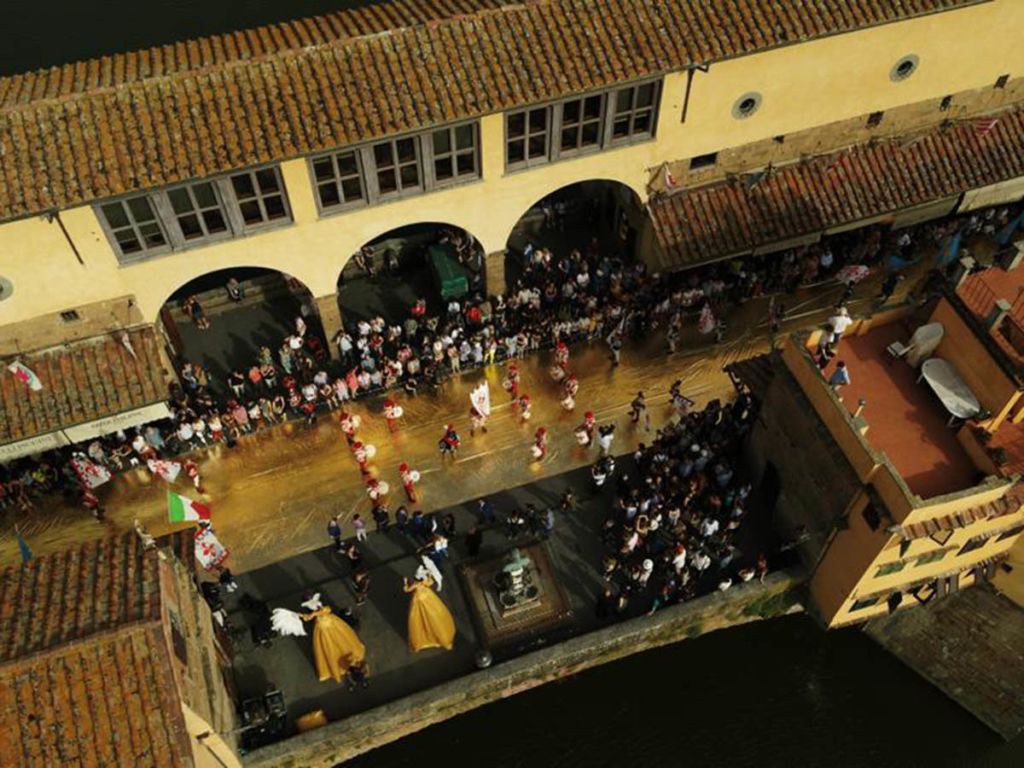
777, 693
774, 694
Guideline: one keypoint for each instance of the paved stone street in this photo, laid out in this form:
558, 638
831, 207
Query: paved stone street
575, 548
271, 496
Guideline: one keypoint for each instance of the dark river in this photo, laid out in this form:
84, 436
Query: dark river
775, 694
779, 693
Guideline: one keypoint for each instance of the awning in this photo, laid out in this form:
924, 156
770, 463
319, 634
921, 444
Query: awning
83, 389
994, 194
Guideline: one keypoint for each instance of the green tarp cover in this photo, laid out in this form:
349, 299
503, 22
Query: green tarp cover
452, 278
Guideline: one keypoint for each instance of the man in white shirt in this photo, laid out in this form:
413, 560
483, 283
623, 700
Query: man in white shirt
840, 322
701, 562
708, 527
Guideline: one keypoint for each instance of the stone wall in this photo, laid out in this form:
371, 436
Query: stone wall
345, 739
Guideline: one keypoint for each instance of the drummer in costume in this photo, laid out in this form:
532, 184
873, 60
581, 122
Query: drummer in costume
392, 412
409, 479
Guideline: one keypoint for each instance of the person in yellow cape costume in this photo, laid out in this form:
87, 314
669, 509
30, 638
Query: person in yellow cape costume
336, 646
430, 622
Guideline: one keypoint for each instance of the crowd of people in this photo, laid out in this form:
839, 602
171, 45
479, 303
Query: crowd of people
673, 530
581, 295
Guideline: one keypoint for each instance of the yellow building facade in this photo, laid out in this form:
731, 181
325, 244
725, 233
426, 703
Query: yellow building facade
61, 258
877, 533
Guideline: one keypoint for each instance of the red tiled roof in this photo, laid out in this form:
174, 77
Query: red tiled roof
121, 132
716, 221
56, 599
107, 701
218, 50
1007, 505
82, 381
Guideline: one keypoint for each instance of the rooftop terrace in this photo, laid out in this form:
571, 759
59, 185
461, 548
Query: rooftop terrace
906, 420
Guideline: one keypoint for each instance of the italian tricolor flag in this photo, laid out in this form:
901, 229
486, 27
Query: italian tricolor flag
182, 510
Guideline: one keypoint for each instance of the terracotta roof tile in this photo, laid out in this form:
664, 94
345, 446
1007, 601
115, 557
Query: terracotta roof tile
82, 381
716, 221
93, 129
57, 599
106, 701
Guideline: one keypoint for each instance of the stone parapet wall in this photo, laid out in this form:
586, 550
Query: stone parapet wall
343, 740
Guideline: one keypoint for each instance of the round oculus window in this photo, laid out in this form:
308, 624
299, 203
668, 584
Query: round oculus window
746, 105
904, 68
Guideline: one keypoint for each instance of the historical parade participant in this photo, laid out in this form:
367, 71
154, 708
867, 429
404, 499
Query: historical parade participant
449, 444
585, 431
569, 390
524, 408
363, 454
349, 425
540, 444
409, 479
430, 623
511, 383
392, 412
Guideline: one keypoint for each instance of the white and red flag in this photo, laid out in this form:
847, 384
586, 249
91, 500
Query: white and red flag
90, 474
168, 470
480, 398
25, 375
209, 551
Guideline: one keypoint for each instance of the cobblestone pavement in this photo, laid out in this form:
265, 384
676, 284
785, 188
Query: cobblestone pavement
272, 495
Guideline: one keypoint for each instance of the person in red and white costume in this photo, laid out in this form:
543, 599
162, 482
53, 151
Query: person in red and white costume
193, 472
392, 412
524, 408
477, 420
348, 426
585, 431
540, 444
409, 479
511, 383
362, 456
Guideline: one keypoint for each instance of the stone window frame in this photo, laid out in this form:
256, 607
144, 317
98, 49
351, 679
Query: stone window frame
612, 114
580, 124
397, 166
169, 214
887, 569
865, 602
338, 179
167, 220
454, 153
260, 198
133, 226
931, 557
369, 180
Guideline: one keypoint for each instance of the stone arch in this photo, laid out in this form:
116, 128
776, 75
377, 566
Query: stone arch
608, 210
403, 271
264, 315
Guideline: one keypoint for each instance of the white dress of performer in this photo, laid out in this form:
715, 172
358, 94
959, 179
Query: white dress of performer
604, 439
480, 399
429, 568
